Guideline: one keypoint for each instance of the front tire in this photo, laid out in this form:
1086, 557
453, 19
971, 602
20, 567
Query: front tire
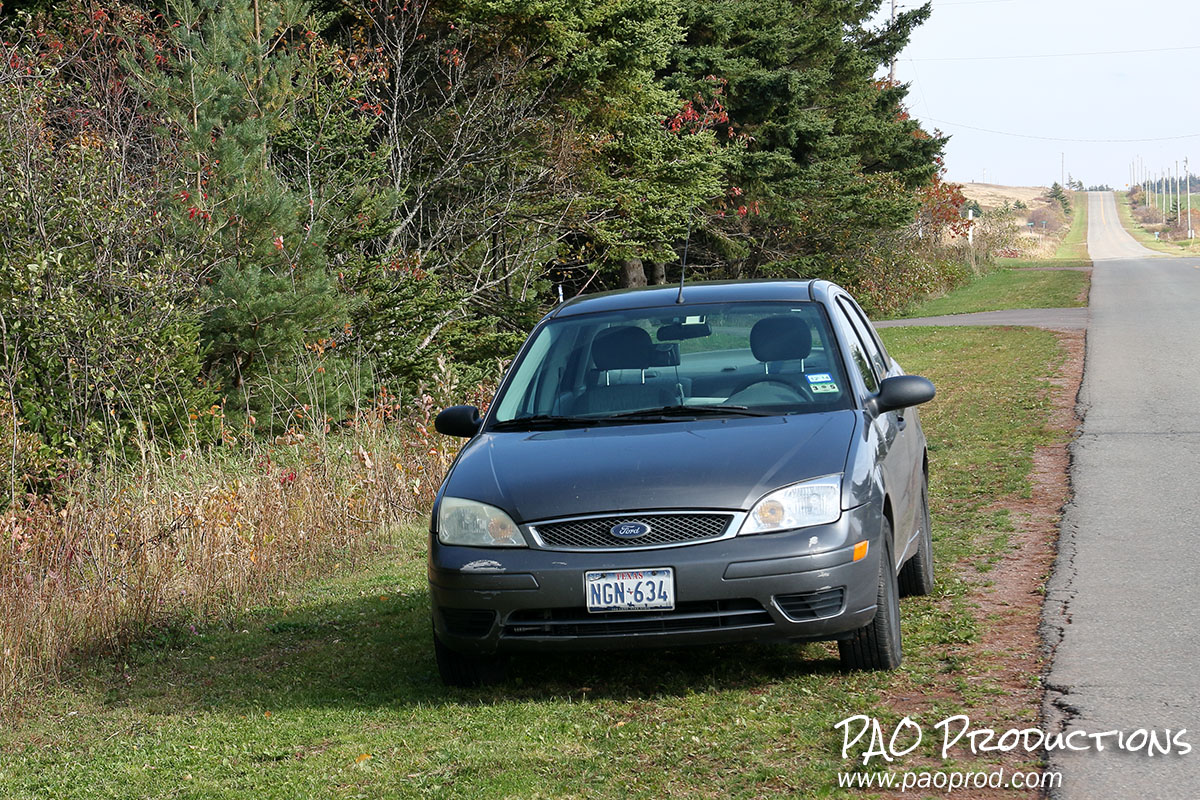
876, 645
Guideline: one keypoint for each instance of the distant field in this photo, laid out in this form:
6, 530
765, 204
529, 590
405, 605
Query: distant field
991, 195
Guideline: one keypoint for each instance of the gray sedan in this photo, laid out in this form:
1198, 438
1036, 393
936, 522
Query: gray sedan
715, 463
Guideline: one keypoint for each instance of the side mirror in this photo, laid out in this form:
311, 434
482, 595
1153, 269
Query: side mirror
458, 421
902, 391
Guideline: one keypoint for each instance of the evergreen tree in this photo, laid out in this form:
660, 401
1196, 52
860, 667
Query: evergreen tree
226, 86
1059, 194
648, 158
821, 154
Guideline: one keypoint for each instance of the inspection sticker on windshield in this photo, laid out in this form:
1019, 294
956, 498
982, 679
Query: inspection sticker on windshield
820, 377
630, 590
818, 388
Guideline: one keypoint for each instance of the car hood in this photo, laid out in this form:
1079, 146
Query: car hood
725, 463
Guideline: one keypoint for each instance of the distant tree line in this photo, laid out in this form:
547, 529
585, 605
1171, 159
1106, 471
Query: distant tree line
224, 216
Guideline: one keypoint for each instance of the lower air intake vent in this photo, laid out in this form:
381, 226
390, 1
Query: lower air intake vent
476, 622
811, 605
695, 616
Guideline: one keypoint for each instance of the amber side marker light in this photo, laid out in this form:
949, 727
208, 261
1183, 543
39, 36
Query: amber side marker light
860, 551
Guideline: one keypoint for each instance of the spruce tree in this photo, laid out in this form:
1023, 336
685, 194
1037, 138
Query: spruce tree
822, 153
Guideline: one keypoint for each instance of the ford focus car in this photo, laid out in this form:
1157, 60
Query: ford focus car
711, 463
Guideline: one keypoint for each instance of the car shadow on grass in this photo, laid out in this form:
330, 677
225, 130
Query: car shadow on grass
376, 651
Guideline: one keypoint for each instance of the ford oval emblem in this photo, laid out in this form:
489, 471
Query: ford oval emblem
629, 530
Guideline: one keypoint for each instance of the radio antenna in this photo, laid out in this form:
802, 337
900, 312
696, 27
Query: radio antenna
683, 263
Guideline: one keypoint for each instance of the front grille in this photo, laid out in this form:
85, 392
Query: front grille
476, 622
595, 533
811, 605
706, 615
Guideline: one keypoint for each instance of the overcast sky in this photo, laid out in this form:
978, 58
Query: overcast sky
993, 73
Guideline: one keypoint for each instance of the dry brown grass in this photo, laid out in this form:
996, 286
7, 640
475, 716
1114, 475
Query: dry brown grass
188, 536
991, 195
1030, 245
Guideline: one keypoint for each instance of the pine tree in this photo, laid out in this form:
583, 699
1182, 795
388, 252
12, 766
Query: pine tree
1058, 193
226, 88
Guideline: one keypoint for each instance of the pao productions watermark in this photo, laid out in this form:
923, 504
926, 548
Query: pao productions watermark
868, 742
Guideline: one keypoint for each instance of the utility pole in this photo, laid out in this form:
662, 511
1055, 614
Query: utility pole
1062, 179
1188, 177
892, 66
1178, 199
1165, 183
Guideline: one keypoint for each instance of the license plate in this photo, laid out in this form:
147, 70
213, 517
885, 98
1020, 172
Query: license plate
630, 590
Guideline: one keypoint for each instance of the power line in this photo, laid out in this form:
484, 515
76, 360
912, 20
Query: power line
1059, 55
1064, 139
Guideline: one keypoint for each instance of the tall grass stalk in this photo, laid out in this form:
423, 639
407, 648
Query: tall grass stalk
184, 536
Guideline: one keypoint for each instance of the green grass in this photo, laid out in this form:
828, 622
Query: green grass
1043, 263
332, 692
1010, 288
1074, 244
1145, 237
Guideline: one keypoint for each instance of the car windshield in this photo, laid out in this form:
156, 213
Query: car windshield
658, 364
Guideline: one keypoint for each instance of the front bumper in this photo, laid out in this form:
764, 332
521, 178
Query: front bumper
799, 585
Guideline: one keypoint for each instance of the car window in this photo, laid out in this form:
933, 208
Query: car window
872, 334
546, 357
866, 339
857, 352
773, 357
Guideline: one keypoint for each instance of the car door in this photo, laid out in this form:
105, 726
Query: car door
911, 439
870, 366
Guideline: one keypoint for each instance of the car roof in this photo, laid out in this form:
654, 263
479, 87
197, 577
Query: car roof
696, 294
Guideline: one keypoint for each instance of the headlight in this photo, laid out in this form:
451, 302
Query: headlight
800, 505
477, 524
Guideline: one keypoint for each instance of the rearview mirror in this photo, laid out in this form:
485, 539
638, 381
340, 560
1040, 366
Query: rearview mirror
458, 421
902, 391
679, 331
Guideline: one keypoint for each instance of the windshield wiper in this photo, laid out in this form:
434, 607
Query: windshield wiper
547, 421
692, 411
555, 421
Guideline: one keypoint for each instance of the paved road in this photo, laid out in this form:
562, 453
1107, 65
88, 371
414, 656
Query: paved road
1060, 319
1123, 603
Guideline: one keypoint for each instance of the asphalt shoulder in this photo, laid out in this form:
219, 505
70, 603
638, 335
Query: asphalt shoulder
1060, 319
